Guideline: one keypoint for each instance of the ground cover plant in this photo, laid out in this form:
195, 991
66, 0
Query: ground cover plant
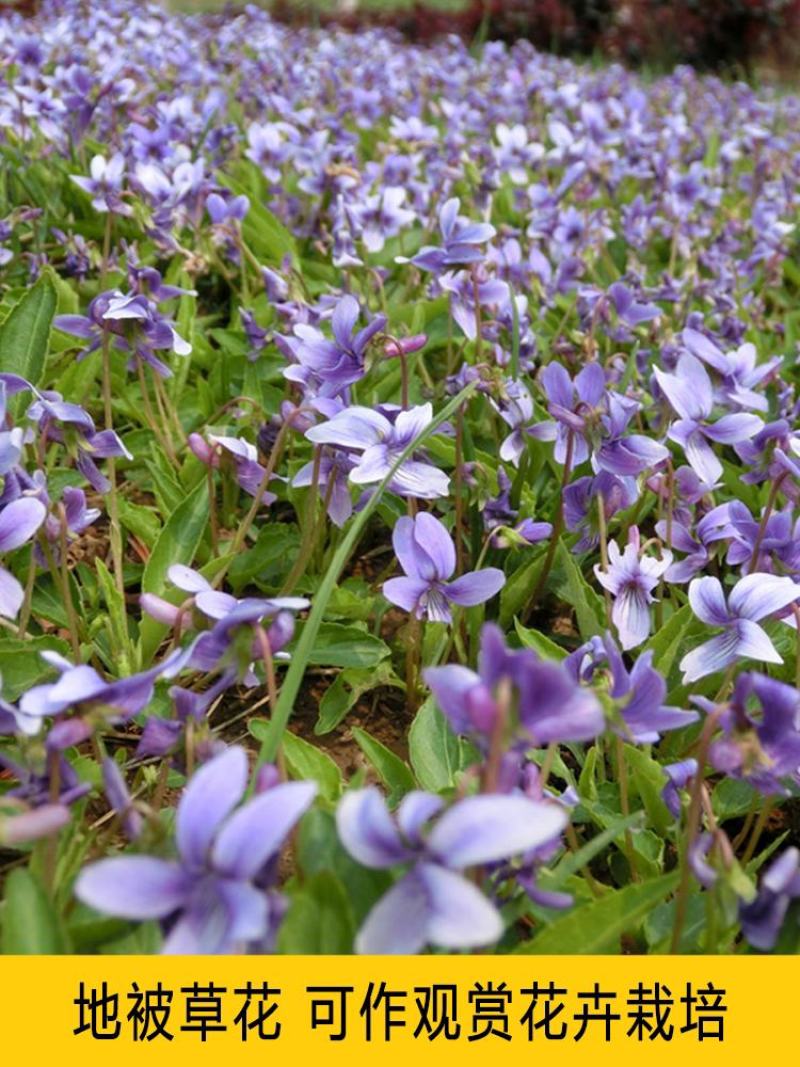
400, 471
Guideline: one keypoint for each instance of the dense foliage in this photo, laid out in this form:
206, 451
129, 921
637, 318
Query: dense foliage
400, 470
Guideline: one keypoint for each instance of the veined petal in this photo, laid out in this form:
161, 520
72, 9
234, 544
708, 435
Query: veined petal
708, 601
758, 595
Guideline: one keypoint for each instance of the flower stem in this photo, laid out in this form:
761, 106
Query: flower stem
558, 526
692, 827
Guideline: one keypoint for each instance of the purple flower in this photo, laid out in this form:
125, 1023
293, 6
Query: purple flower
212, 895
427, 555
678, 776
763, 917
738, 369
332, 484
637, 695
550, 704
329, 367
433, 903
691, 396
19, 521
244, 457
631, 579
751, 599
460, 241
82, 686
382, 442
761, 739
105, 183
629, 309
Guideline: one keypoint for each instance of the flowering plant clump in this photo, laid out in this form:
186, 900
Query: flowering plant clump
399, 495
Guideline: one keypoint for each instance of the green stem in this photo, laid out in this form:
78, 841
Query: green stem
297, 667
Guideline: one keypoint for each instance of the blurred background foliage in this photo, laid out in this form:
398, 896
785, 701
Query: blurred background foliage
729, 36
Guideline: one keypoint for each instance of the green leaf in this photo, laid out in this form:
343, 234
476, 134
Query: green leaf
21, 664
590, 611
319, 920
177, 543
30, 926
518, 588
394, 774
574, 861
141, 521
305, 761
302, 654
732, 799
668, 641
436, 753
648, 780
597, 927
115, 604
540, 644
347, 689
25, 332
337, 645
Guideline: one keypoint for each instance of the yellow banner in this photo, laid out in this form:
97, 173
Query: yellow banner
436, 1009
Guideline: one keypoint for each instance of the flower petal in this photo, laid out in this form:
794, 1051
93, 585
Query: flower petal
476, 587
367, 830
256, 831
459, 915
133, 887
708, 601
212, 793
758, 595
398, 924
481, 829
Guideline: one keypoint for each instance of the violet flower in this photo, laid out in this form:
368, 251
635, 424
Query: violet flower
752, 598
381, 442
427, 555
433, 903
690, 393
212, 897
460, 241
762, 918
549, 704
329, 367
761, 738
631, 579
19, 521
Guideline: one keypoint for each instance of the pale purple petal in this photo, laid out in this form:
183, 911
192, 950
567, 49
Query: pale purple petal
708, 601
476, 587
406, 593
758, 595
431, 536
710, 657
19, 521
459, 915
212, 793
256, 831
367, 831
754, 643
133, 887
481, 829
731, 429
398, 924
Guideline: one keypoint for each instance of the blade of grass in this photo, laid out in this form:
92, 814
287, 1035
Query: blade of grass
297, 668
